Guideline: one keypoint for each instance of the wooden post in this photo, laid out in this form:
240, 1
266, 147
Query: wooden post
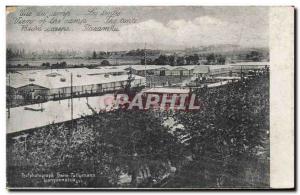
145, 60
72, 99
9, 96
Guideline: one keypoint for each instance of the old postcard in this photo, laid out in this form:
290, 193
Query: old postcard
149, 97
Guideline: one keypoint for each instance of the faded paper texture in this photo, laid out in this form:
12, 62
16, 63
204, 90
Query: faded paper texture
149, 97
282, 97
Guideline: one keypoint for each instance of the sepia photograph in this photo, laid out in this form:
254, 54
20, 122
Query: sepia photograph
138, 97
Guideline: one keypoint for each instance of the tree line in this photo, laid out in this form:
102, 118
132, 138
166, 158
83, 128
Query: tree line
173, 60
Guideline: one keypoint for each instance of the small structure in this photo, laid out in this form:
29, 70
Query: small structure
212, 70
162, 70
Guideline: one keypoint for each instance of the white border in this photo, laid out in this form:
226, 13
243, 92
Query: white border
281, 97
97, 2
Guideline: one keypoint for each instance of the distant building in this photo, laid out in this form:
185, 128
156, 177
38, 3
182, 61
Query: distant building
212, 70
229, 69
162, 70
247, 66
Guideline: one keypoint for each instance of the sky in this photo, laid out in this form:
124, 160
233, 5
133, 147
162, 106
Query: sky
165, 27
